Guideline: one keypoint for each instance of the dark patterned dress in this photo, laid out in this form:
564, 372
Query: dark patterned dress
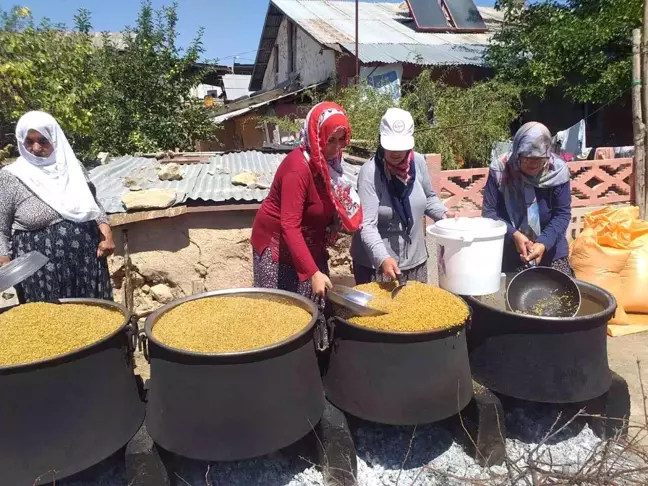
29, 224
73, 269
277, 275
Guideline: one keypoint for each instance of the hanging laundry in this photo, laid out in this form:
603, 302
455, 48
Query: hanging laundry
572, 140
603, 153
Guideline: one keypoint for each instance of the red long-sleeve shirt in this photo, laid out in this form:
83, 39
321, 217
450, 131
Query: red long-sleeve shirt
293, 219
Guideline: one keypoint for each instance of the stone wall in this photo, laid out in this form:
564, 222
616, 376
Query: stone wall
175, 257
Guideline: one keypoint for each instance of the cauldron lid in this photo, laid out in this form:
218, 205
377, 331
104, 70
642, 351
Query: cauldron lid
19, 269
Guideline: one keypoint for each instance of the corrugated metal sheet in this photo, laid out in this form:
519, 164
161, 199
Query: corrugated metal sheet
236, 85
420, 54
209, 182
233, 114
384, 35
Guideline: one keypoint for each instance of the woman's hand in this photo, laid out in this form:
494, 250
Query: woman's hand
106, 245
389, 268
320, 283
521, 245
4, 260
536, 253
451, 214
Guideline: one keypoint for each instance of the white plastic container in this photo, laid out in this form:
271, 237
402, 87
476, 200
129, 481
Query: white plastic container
469, 254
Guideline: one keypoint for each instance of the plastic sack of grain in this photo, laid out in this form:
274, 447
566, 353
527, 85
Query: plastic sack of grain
634, 276
620, 227
600, 265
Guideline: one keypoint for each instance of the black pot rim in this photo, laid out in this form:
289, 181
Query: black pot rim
609, 309
151, 320
66, 356
414, 334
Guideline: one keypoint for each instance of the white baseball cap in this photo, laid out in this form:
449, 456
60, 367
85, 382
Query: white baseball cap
397, 130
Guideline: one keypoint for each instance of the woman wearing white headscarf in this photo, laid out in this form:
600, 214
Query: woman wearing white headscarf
46, 205
529, 189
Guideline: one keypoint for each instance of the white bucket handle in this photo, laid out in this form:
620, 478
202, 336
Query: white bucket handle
462, 238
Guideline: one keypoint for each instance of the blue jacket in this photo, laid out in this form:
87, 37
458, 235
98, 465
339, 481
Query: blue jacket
554, 206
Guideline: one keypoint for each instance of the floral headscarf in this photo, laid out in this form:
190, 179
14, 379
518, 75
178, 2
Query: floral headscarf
531, 140
321, 122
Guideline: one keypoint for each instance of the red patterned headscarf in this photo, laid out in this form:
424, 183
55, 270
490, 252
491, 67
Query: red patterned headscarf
321, 122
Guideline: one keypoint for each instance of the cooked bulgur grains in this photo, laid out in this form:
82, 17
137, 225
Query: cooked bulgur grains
37, 331
418, 307
229, 324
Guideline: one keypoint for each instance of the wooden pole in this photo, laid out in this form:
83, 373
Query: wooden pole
357, 59
638, 124
644, 92
128, 280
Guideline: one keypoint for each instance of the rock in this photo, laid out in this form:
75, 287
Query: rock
115, 264
162, 293
146, 289
103, 157
170, 172
8, 295
151, 275
200, 269
245, 178
137, 279
149, 199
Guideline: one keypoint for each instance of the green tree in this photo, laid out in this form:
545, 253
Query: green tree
46, 67
461, 124
144, 104
465, 124
580, 47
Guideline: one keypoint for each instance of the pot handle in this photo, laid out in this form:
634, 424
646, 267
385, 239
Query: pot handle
142, 345
131, 333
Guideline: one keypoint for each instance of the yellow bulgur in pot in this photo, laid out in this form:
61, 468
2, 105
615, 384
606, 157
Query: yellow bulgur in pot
417, 308
227, 324
38, 331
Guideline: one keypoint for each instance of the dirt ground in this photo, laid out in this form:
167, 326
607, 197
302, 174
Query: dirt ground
623, 353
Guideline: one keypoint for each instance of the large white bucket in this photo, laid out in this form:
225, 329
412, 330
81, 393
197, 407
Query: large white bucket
469, 254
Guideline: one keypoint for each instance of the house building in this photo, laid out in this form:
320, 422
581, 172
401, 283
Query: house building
315, 40
306, 43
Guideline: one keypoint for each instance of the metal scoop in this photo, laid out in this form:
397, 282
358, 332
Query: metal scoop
357, 301
402, 282
353, 300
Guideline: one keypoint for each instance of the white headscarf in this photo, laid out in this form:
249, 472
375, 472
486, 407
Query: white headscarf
58, 180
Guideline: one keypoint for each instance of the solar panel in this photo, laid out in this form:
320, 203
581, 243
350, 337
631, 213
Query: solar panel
428, 14
465, 14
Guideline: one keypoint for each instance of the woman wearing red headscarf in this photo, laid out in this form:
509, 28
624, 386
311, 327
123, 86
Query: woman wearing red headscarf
309, 201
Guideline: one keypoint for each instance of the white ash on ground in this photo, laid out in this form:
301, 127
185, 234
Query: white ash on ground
276, 469
385, 457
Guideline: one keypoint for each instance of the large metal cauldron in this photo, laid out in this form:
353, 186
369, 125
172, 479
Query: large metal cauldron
62, 415
398, 378
230, 406
543, 359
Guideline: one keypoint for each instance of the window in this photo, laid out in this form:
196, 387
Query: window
292, 51
275, 55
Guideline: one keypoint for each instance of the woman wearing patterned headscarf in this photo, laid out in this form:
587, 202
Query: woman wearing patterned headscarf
529, 190
309, 201
47, 205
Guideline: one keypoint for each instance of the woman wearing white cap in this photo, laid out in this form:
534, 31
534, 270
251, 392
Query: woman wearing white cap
395, 193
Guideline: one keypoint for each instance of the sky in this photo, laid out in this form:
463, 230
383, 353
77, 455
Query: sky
232, 27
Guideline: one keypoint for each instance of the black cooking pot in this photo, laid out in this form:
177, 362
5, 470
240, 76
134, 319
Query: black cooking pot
230, 406
60, 416
543, 359
398, 378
